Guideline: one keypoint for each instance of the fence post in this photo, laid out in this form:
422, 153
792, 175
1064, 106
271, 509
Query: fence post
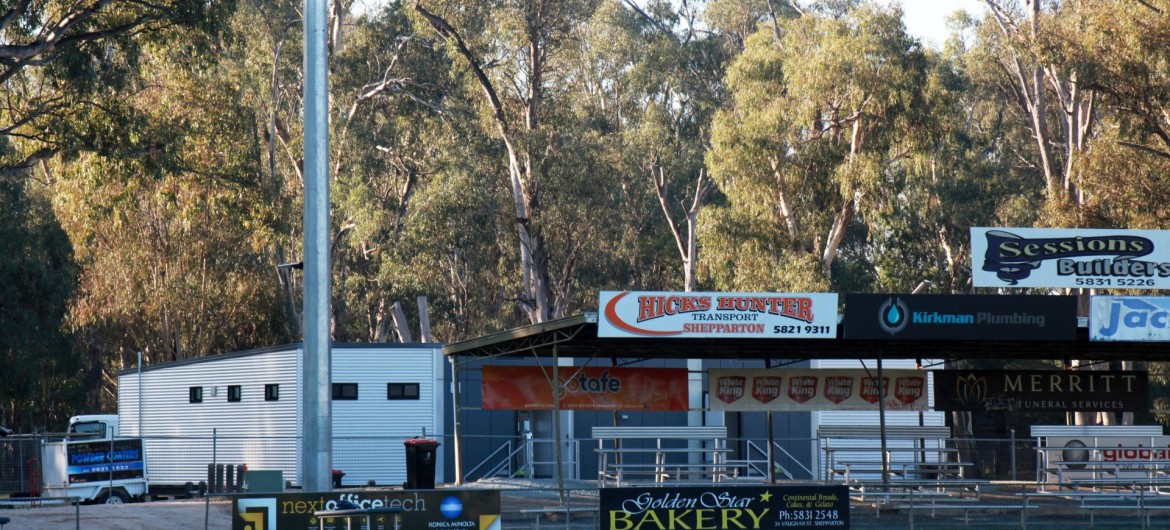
1024, 512
912, 504
1013, 452
207, 498
1142, 507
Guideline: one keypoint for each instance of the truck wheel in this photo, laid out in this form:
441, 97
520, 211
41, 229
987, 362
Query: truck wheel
114, 497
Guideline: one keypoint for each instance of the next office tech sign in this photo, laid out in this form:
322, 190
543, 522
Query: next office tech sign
959, 317
1076, 257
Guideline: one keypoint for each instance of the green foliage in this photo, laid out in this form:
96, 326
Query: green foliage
820, 124
845, 158
37, 282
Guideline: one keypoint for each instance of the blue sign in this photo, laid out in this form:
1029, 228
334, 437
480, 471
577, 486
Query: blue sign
105, 460
1130, 318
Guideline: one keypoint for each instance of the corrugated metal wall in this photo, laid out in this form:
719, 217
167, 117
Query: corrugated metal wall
182, 437
368, 433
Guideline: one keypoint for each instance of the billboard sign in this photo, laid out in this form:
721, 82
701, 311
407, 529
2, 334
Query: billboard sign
1114, 457
105, 460
1070, 257
1129, 318
656, 314
742, 507
443, 508
794, 389
1041, 390
585, 388
960, 317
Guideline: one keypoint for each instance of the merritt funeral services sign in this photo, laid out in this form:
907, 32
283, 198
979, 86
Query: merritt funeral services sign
1070, 257
1041, 390
653, 314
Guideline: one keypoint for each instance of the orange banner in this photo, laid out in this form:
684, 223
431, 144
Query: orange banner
585, 388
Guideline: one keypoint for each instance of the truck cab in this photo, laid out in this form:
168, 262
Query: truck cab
93, 427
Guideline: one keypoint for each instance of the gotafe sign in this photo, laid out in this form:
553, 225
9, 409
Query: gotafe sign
1070, 257
960, 317
717, 315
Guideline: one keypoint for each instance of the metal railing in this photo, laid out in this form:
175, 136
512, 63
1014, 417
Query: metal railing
176, 460
500, 461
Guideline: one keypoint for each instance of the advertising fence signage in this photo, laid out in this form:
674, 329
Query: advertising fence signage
1129, 318
1110, 457
1040, 390
1070, 257
105, 460
960, 317
741, 507
585, 388
442, 509
788, 389
717, 315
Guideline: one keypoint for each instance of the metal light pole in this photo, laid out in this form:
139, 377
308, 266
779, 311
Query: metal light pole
317, 424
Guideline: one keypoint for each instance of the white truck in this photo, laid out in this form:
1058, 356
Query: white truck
93, 463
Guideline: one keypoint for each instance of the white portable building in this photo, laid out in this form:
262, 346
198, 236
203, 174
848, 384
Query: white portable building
245, 408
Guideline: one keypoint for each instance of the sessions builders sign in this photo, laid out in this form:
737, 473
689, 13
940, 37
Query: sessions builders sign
1070, 257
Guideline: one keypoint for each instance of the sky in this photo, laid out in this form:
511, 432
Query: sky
926, 19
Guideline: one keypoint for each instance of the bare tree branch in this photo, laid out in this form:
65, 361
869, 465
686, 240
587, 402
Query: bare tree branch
1144, 149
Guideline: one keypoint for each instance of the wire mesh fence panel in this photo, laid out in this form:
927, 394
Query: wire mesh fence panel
178, 460
19, 463
369, 461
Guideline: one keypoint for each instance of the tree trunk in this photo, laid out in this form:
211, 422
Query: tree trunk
536, 299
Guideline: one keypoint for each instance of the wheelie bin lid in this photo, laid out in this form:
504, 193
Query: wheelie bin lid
421, 441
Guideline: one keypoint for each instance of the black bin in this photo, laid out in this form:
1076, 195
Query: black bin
420, 463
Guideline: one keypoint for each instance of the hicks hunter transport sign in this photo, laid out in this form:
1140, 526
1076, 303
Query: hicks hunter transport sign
736, 507
634, 314
1070, 257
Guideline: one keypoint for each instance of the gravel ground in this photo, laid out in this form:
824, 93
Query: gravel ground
215, 513
168, 515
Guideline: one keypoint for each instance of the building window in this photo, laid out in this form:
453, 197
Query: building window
401, 390
272, 392
345, 391
195, 394
235, 393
